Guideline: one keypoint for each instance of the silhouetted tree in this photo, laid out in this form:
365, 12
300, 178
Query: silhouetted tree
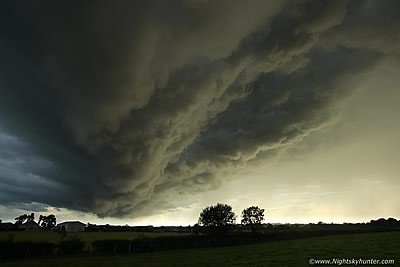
218, 217
48, 221
25, 218
21, 219
382, 222
252, 216
30, 218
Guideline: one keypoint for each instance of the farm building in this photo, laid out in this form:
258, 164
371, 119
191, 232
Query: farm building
30, 226
73, 226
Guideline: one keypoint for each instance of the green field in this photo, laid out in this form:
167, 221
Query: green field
87, 237
277, 253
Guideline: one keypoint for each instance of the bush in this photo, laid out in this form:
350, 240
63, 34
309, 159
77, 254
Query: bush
22, 250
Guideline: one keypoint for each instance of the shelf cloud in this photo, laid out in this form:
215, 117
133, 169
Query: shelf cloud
120, 108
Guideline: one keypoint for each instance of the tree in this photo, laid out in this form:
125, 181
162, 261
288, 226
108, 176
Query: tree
21, 219
217, 216
25, 218
30, 218
252, 216
48, 221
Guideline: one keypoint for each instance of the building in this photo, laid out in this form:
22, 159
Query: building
30, 226
73, 226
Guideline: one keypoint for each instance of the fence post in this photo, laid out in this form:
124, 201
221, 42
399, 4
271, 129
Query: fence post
27, 251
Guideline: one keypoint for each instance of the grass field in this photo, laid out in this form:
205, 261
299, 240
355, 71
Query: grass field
277, 253
87, 237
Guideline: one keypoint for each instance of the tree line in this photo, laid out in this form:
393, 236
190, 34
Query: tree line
221, 217
48, 221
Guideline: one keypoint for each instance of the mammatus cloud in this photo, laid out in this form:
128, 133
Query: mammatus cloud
121, 108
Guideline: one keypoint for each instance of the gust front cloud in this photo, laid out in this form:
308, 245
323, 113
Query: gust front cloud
120, 108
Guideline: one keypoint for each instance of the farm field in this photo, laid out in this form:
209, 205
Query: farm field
276, 253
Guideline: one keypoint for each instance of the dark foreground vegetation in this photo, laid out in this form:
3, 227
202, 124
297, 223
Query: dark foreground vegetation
203, 237
297, 252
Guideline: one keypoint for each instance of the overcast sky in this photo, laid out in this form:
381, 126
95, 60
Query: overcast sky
145, 112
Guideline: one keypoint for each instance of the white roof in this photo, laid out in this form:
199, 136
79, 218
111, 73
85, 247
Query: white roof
72, 222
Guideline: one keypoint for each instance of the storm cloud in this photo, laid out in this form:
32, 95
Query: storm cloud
121, 108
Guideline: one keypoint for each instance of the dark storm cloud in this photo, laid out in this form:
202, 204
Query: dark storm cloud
122, 108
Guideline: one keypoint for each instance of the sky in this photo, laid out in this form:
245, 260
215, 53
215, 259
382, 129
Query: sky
146, 112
